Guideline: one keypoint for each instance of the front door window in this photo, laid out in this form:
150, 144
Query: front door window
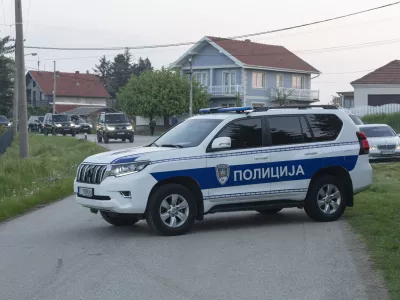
229, 80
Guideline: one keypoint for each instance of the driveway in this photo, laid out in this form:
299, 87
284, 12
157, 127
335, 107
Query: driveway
62, 251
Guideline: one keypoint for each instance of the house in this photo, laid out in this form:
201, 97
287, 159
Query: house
247, 72
379, 87
72, 90
346, 99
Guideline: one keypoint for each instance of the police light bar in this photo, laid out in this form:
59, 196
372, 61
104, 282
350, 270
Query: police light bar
225, 109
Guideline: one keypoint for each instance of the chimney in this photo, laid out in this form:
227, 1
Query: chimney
77, 72
247, 40
87, 72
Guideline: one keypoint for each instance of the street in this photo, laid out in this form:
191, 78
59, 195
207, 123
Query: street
62, 251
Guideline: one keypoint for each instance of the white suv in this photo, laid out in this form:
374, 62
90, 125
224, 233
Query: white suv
231, 159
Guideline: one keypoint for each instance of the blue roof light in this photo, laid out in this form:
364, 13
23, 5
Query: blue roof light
225, 109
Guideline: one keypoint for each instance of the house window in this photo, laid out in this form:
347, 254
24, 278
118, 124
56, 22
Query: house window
200, 77
298, 82
349, 103
34, 83
279, 80
257, 104
229, 83
258, 80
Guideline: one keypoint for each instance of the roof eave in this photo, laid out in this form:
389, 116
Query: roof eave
281, 69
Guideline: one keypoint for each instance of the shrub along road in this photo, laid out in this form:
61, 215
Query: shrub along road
64, 252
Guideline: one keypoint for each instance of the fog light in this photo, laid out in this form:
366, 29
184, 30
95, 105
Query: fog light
126, 194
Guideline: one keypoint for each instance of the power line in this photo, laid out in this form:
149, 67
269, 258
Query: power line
234, 37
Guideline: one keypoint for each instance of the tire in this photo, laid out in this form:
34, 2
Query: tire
73, 133
99, 138
124, 140
131, 139
269, 211
316, 206
119, 219
105, 138
167, 194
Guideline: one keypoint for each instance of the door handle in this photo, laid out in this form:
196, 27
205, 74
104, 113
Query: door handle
262, 157
312, 153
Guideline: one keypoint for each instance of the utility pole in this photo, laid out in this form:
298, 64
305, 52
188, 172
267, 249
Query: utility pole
15, 104
20, 64
54, 89
191, 89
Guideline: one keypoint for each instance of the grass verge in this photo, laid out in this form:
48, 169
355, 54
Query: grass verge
45, 177
376, 216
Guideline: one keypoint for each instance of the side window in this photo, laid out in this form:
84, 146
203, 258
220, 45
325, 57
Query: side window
325, 127
245, 133
308, 137
285, 130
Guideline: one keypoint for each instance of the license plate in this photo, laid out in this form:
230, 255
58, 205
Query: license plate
85, 192
387, 152
121, 133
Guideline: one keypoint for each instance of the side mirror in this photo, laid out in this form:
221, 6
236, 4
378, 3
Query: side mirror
221, 143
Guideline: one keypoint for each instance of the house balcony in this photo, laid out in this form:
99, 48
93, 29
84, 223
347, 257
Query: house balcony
225, 90
295, 94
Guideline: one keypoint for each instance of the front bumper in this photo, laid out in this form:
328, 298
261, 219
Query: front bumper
119, 134
138, 185
64, 130
381, 154
85, 129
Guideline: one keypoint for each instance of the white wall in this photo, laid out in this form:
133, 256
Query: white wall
361, 92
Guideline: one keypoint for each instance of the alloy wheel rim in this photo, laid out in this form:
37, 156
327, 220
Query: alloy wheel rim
174, 211
329, 199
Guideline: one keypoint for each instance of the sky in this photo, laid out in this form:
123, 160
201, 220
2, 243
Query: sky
106, 23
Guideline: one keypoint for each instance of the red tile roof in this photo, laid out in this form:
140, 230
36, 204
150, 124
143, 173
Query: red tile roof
263, 55
71, 84
388, 74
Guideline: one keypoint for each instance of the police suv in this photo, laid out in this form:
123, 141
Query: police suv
231, 159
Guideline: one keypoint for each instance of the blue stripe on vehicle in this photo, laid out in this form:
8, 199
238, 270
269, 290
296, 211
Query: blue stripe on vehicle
207, 177
236, 195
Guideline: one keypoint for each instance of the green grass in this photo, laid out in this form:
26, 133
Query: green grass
45, 177
376, 216
393, 120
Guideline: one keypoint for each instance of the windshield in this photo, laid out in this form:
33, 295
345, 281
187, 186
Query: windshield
356, 120
117, 118
189, 133
379, 131
3, 119
61, 118
41, 119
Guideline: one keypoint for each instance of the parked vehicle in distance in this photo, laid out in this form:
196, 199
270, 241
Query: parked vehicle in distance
352, 116
35, 123
4, 121
384, 141
231, 159
58, 124
114, 126
81, 125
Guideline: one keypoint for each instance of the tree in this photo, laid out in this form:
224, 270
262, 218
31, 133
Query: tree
336, 101
160, 93
141, 66
6, 77
282, 96
103, 70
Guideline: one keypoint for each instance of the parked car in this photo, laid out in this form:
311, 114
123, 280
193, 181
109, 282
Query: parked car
352, 116
384, 141
4, 121
35, 123
81, 125
58, 124
114, 126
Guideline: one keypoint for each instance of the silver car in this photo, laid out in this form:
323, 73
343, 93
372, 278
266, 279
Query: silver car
383, 140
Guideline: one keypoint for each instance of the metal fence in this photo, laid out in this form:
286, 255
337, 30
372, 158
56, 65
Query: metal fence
5, 140
372, 110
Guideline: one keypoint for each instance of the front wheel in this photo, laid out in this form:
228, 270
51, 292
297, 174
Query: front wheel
171, 210
105, 138
326, 199
119, 219
73, 133
99, 138
131, 139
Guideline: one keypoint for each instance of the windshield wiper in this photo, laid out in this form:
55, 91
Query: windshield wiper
172, 146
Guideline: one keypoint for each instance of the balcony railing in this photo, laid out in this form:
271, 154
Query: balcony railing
295, 94
225, 90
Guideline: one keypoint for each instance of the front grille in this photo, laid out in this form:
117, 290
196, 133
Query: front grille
118, 128
92, 174
387, 147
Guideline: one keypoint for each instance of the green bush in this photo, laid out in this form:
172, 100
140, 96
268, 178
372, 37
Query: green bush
393, 120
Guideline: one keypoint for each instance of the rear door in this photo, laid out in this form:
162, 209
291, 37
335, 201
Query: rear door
238, 170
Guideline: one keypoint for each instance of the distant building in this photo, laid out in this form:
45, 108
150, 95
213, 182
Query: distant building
73, 90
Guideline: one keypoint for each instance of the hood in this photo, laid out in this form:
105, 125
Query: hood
389, 140
123, 155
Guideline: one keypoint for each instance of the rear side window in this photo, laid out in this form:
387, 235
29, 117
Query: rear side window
356, 120
325, 127
285, 130
245, 133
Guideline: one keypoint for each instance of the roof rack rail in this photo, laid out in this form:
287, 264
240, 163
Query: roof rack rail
295, 106
225, 109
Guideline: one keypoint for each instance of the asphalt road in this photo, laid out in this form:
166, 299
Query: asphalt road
62, 251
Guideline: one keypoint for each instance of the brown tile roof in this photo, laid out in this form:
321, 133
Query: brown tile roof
388, 74
71, 84
263, 55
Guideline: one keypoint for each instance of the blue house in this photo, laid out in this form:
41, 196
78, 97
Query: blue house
252, 73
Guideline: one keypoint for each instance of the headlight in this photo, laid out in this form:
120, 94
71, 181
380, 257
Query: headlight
90, 125
374, 148
398, 147
58, 125
9, 124
129, 127
126, 169
110, 128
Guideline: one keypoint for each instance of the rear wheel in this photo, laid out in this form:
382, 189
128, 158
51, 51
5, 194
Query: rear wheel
326, 199
131, 139
269, 211
119, 219
171, 210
